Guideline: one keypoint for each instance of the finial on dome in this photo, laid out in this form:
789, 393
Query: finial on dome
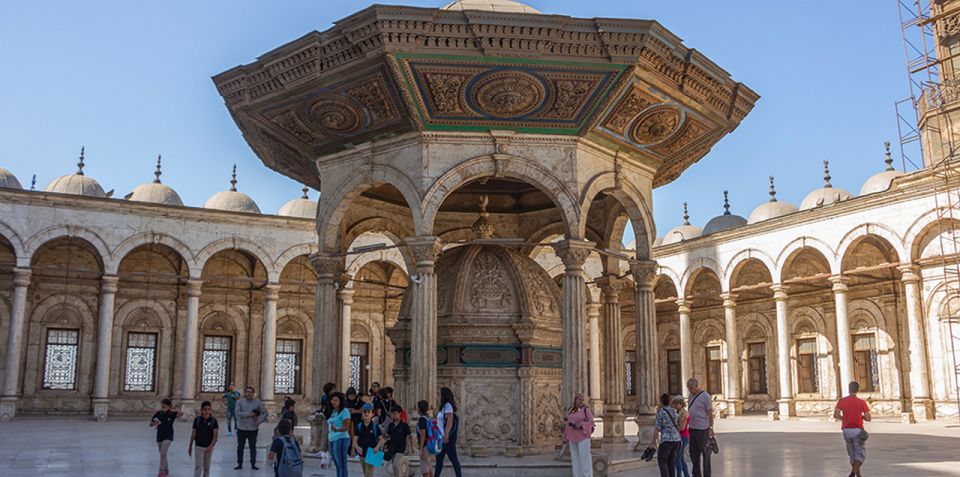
305, 189
888, 159
726, 204
33, 183
157, 172
686, 216
80, 162
773, 191
233, 179
826, 175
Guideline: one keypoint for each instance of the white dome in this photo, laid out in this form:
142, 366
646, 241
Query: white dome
881, 181
301, 207
658, 241
824, 196
681, 233
723, 222
233, 201
503, 6
155, 193
771, 210
8, 180
76, 184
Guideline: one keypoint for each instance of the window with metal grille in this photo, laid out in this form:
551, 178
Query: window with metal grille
807, 372
865, 362
630, 366
714, 373
358, 365
60, 362
673, 372
141, 362
215, 372
757, 368
287, 370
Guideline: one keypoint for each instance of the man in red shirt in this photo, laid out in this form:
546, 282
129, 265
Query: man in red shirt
853, 411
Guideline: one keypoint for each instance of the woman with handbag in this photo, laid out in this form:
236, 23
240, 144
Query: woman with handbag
668, 433
577, 434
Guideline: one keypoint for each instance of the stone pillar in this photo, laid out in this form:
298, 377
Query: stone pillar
844, 345
18, 320
267, 374
734, 398
326, 343
423, 325
786, 403
573, 253
686, 344
614, 358
645, 320
101, 377
919, 379
593, 319
191, 343
346, 302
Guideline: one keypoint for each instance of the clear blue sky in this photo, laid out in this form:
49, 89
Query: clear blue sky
130, 80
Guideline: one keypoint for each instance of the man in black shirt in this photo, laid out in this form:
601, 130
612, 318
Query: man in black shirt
398, 437
204, 436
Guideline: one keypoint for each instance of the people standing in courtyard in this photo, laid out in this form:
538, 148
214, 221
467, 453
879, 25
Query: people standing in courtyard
369, 438
683, 424
398, 438
448, 422
853, 411
326, 409
700, 409
340, 432
285, 452
204, 437
250, 413
163, 420
666, 438
289, 411
424, 434
230, 397
576, 433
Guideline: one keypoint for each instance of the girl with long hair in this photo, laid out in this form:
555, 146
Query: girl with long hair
448, 422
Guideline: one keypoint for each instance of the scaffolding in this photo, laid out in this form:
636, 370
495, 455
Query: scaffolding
932, 95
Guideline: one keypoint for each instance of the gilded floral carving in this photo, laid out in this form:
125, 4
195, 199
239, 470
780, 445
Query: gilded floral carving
373, 94
506, 94
656, 125
631, 105
446, 91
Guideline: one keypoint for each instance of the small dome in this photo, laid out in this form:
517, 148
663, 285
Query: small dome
231, 199
772, 209
658, 241
8, 180
503, 6
881, 181
825, 195
724, 221
682, 232
301, 207
155, 192
77, 184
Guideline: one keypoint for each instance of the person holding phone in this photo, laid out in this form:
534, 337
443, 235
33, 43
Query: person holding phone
163, 420
250, 413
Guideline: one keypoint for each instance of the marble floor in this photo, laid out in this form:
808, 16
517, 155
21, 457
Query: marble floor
749, 447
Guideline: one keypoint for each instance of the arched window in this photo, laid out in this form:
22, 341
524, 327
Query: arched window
60, 359
215, 374
141, 362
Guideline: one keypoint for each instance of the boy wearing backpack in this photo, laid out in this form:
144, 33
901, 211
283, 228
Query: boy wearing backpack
204, 437
429, 441
285, 452
398, 437
367, 439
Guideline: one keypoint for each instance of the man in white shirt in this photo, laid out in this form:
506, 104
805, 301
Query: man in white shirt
700, 408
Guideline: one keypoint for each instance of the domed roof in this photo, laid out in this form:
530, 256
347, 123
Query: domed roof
724, 221
682, 232
231, 199
8, 180
772, 209
301, 207
881, 181
155, 192
825, 195
77, 184
658, 241
505, 6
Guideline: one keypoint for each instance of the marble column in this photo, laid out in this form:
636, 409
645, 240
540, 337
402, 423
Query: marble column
593, 319
191, 344
645, 321
346, 302
686, 344
786, 403
734, 398
101, 377
844, 345
614, 358
573, 253
267, 374
326, 325
423, 325
18, 321
919, 378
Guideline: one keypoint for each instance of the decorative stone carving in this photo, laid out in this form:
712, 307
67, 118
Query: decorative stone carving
643, 272
446, 90
630, 106
489, 289
570, 97
655, 125
374, 96
508, 94
486, 422
336, 114
573, 253
424, 249
326, 265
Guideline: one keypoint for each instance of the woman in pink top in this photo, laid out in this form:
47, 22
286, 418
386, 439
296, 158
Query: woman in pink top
683, 423
577, 433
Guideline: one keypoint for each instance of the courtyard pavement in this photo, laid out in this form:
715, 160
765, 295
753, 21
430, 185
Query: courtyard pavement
750, 446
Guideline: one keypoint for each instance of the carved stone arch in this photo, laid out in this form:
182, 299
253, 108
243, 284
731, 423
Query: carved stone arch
94, 239
156, 315
60, 311
668, 273
555, 230
865, 314
806, 319
16, 243
695, 267
503, 165
671, 335
394, 256
288, 255
291, 325
239, 244
921, 227
217, 317
636, 208
360, 331
736, 263
393, 231
926, 242
755, 325
144, 316
708, 330
64, 309
799, 244
95, 252
883, 233
334, 204
155, 238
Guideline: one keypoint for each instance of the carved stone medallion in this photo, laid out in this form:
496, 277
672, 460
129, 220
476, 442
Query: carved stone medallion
655, 125
337, 115
508, 93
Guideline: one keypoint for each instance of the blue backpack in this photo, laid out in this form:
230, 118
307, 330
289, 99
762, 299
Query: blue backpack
434, 443
291, 462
